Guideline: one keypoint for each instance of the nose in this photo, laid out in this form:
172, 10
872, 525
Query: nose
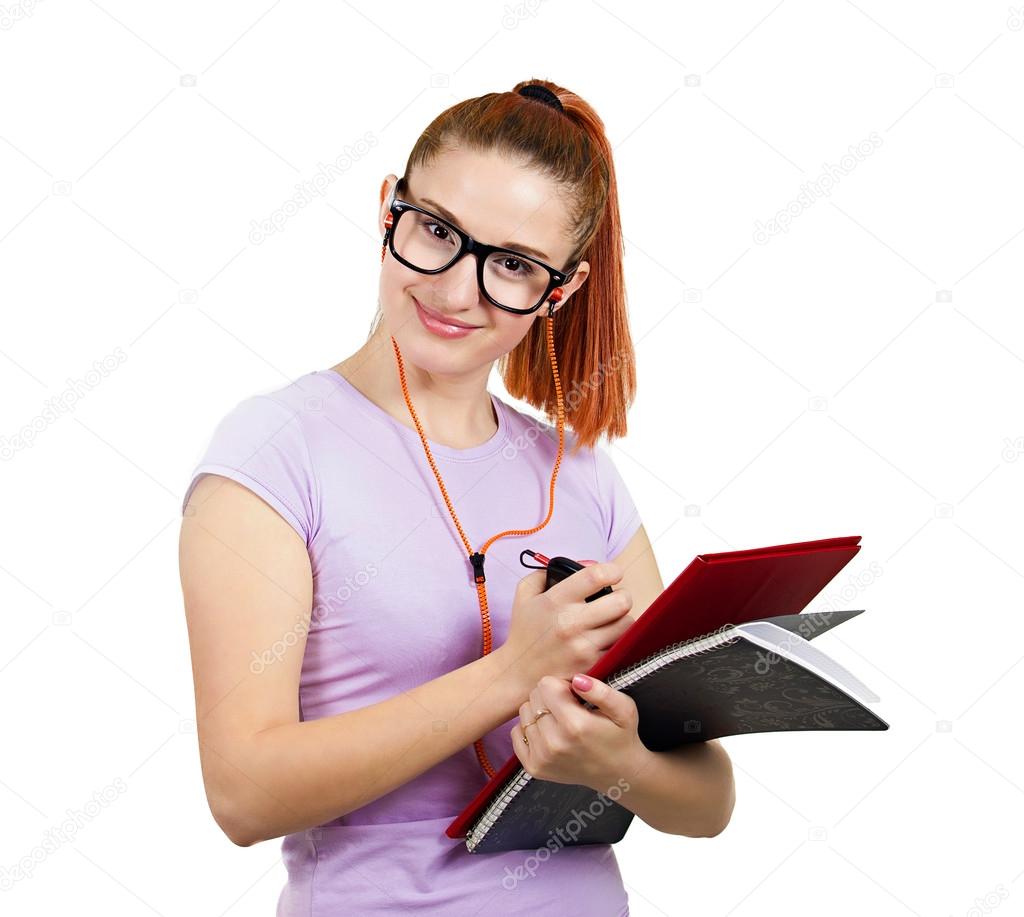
457, 286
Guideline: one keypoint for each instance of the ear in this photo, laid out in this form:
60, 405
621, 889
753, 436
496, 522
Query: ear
387, 185
569, 288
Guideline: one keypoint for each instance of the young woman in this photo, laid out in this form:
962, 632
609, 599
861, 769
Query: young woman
366, 648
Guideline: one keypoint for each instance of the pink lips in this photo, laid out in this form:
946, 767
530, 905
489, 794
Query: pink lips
439, 327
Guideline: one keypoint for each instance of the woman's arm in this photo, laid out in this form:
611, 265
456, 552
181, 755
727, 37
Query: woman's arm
247, 584
688, 790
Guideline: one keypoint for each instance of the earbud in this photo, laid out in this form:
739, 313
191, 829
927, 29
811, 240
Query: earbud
388, 220
556, 296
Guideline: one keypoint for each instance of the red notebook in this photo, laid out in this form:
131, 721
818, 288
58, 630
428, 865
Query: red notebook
729, 587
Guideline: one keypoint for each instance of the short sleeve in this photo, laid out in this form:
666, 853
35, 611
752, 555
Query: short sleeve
621, 519
261, 445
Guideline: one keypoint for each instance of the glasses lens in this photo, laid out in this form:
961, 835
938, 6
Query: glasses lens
425, 241
429, 243
513, 281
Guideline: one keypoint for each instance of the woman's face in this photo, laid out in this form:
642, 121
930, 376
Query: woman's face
496, 202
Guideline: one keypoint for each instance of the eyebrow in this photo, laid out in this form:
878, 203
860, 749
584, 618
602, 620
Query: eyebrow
525, 249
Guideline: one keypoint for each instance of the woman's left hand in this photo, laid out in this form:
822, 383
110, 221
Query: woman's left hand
573, 744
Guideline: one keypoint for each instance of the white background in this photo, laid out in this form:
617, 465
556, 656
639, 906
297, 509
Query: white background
859, 373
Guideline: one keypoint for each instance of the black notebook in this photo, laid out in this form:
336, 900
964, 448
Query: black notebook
760, 676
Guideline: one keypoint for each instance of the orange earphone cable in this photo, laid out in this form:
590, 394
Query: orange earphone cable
477, 559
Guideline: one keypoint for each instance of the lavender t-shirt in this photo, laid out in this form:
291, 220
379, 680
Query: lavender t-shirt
394, 606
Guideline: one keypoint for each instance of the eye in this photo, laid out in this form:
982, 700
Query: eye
442, 234
516, 266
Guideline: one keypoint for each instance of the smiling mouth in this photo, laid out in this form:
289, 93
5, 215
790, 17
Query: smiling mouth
440, 318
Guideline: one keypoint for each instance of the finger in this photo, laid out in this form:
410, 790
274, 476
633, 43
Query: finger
590, 579
531, 585
556, 695
528, 711
609, 701
605, 637
521, 748
608, 609
527, 715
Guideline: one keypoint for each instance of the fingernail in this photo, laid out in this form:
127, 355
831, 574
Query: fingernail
582, 682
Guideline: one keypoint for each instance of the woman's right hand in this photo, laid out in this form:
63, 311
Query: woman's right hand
557, 632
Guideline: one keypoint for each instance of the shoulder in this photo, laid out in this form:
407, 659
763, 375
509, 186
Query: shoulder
298, 398
283, 414
261, 442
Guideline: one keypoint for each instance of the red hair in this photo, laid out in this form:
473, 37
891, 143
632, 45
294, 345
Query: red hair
593, 345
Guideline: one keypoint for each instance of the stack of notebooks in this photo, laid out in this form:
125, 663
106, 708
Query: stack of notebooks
722, 651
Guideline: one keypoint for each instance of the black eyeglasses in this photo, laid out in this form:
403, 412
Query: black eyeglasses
430, 244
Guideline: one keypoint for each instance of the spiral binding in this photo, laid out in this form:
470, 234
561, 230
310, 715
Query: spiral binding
684, 649
486, 821
670, 654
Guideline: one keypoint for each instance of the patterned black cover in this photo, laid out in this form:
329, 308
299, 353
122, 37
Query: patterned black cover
732, 689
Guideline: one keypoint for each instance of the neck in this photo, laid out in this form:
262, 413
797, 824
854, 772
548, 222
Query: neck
453, 410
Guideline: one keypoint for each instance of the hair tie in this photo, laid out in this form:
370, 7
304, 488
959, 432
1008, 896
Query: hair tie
541, 94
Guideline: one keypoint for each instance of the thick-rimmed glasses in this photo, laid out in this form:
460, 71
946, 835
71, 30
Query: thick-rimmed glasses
430, 244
